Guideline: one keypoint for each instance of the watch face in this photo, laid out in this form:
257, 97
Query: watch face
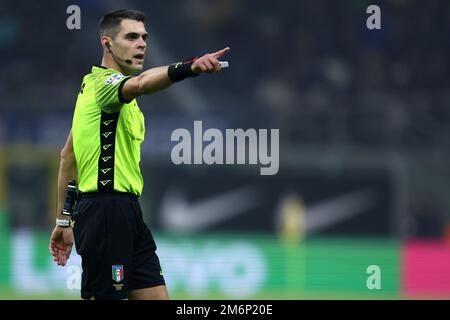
63, 223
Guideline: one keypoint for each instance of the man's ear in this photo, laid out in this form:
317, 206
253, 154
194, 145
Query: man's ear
106, 43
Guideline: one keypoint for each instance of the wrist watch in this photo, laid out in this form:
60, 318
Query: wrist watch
63, 223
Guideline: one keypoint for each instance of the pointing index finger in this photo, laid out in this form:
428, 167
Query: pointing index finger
220, 53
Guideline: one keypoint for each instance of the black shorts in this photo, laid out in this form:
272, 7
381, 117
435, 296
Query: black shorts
117, 249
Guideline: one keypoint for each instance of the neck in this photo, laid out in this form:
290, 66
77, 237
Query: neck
109, 62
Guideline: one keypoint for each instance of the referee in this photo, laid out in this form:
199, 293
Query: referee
102, 153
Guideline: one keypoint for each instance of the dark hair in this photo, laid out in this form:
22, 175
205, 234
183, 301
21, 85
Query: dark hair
110, 22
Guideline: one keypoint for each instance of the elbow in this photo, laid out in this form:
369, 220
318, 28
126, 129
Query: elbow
67, 162
66, 153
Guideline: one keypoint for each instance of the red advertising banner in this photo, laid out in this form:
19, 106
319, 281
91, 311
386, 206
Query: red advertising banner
426, 271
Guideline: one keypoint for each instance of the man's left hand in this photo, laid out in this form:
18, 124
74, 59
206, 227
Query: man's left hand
60, 245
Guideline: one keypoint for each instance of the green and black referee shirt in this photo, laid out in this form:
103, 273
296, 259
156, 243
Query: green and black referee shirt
107, 135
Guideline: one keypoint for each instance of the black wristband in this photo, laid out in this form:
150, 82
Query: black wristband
180, 71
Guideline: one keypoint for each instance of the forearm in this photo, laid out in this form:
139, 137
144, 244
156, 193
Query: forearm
153, 80
156, 79
67, 171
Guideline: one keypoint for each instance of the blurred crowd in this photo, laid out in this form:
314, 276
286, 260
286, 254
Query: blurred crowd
310, 66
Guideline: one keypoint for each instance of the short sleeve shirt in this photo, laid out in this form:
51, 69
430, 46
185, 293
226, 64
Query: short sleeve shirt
107, 135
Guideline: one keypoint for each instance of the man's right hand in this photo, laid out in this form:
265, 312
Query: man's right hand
156, 79
60, 245
209, 63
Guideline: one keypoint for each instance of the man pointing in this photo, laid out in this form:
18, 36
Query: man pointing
102, 153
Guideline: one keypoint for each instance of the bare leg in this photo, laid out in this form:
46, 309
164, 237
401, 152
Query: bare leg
153, 293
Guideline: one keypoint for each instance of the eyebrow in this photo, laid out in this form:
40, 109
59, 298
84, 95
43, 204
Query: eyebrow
135, 34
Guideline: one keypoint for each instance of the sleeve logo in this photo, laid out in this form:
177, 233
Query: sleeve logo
114, 79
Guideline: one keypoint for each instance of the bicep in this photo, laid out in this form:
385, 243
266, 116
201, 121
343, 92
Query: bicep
131, 89
148, 82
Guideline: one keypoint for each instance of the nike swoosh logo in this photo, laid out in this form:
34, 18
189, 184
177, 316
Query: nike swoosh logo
180, 216
333, 211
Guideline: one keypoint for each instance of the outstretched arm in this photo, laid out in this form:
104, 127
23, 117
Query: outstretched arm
157, 79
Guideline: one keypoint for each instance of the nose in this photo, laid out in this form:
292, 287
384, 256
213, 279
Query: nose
142, 44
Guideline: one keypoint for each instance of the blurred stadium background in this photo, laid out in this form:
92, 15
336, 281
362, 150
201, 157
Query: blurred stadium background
364, 125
